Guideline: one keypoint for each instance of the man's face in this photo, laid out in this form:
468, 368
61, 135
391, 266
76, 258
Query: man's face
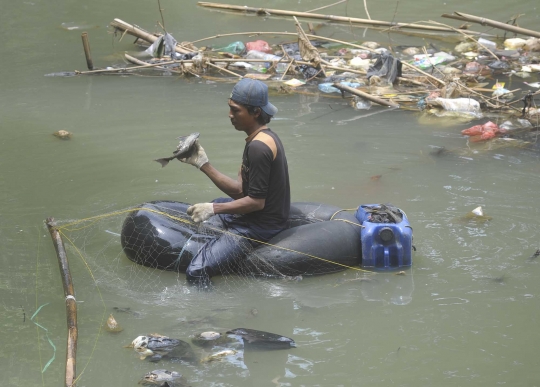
240, 117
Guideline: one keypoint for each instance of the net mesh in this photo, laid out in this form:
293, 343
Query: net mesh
160, 240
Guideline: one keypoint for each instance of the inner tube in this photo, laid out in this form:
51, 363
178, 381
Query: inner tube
319, 239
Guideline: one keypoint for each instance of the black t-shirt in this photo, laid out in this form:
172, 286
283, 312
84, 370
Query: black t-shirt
265, 174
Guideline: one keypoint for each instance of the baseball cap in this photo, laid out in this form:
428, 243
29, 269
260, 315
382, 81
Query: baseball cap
253, 92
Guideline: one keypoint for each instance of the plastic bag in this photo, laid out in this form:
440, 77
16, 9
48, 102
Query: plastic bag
386, 66
236, 48
329, 87
164, 45
259, 45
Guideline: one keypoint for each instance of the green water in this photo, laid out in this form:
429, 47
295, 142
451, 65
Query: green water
466, 314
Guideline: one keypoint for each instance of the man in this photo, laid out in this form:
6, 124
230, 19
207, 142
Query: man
259, 202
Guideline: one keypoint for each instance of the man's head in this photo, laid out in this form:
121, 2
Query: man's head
253, 95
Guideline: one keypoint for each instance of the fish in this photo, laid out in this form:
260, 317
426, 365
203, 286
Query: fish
219, 355
182, 150
163, 378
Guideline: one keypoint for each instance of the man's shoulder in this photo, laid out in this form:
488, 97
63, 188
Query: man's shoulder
263, 137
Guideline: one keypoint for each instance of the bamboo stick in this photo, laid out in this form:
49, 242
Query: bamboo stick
71, 304
364, 95
342, 19
492, 23
140, 62
86, 47
141, 34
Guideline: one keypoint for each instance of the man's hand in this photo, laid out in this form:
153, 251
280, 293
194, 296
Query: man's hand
201, 211
198, 156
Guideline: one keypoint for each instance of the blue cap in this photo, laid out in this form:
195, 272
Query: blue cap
253, 92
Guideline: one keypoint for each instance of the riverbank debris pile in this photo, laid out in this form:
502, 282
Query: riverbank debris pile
465, 80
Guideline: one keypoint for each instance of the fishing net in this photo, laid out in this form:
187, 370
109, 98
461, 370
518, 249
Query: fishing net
147, 248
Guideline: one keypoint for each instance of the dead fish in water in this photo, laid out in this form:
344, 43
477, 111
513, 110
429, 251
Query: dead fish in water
219, 355
128, 311
112, 325
182, 150
163, 378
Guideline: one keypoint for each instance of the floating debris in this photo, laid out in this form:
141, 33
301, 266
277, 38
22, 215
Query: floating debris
62, 134
219, 355
111, 325
163, 378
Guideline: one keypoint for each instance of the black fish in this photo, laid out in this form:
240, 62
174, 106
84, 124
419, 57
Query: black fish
263, 340
182, 150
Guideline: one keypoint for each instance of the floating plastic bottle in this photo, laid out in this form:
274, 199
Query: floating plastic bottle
254, 54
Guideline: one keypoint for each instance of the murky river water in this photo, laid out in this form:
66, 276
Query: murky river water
467, 312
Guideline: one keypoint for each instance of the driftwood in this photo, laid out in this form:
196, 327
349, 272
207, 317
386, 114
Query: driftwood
142, 34
341, 19
365, 95
492, 23
71, 304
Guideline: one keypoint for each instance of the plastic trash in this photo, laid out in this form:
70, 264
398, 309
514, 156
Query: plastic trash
386, 66
464, 47
358, 63
280, 67
259, 45
237, 48
532, 44
457, 104
514, 43
498, 65
329, 87
483, 132
425, 62
164, 45
484, 43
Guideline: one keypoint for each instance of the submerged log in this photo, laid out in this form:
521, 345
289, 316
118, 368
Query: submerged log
492, 23
71, 304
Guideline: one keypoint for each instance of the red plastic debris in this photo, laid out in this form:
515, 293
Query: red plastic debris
483, 132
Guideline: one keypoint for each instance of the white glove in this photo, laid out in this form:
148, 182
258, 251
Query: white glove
201, 211
198, 156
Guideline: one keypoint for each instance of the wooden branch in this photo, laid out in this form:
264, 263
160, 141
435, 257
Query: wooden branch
71, 304
364, 95
492, 23
141, 34
341, 19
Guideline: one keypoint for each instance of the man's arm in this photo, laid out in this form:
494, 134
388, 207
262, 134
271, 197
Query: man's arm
227, 185
243, 205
